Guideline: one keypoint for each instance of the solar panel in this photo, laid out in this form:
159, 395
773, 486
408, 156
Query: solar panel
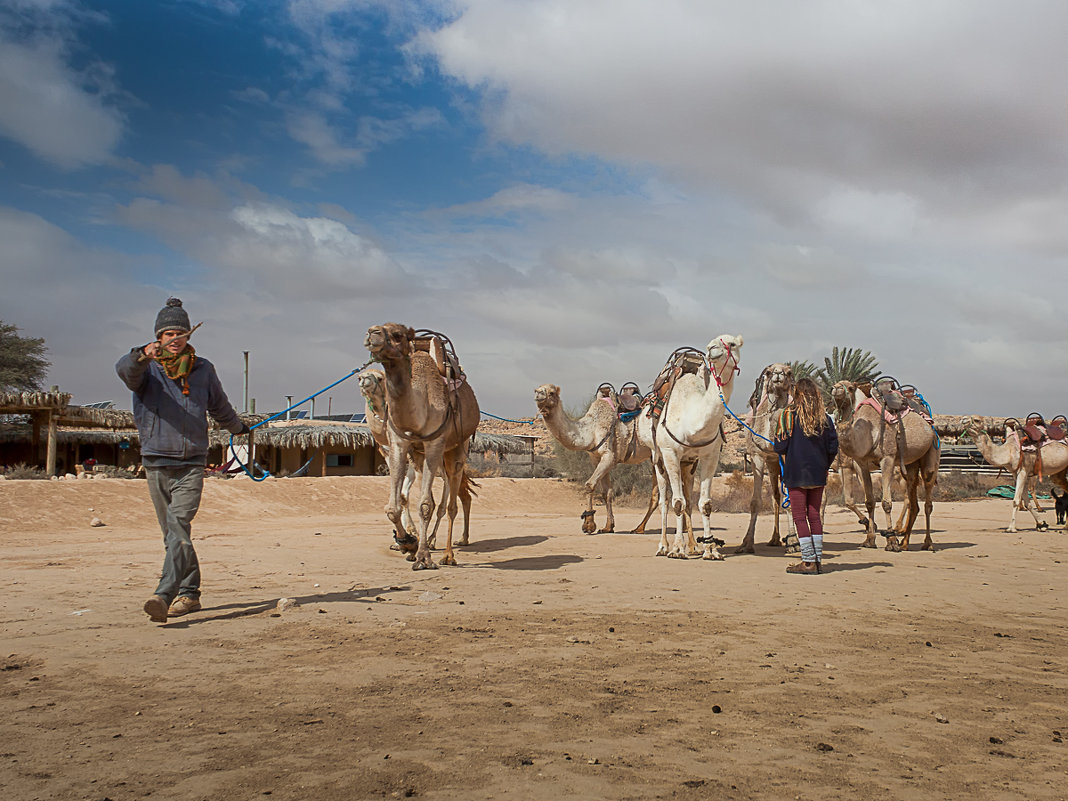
299, 415
359, 417
99, 405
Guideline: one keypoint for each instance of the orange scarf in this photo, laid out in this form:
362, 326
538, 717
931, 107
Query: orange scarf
178, 366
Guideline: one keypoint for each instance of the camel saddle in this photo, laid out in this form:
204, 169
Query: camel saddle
446, 362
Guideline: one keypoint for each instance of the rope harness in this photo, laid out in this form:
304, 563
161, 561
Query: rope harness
266, 473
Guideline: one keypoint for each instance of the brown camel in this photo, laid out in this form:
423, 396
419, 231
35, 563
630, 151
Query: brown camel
373, 389
907, 441
599, 433
431, 411
770, 396
1023, 464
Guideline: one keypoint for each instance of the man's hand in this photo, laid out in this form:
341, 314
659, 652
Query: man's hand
151, 350
244, 430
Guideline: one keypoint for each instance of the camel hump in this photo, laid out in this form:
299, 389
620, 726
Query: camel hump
441, 351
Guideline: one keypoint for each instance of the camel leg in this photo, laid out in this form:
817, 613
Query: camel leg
754, 510
433, 462
654, 501
465, 502
930, 478
454, 472
664, 491
847, 472
432, 540
673, 470
687, 514
706, 470
870, 527
397, 459
601, 465
610, 521
887, 483
912, 506
1019, 499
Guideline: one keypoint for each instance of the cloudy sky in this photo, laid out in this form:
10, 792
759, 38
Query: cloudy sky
569, 189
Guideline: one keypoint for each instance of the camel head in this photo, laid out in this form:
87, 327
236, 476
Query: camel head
372, 388
843, 393
389, 341
723, 355
779, 380
547, 398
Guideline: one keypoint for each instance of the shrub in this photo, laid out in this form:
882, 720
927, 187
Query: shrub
24, 472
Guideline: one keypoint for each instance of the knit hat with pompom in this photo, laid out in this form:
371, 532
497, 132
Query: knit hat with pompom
172, 317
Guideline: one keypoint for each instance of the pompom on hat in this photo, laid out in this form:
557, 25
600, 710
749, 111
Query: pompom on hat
172, 317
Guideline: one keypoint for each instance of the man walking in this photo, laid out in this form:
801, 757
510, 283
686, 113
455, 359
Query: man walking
173, 389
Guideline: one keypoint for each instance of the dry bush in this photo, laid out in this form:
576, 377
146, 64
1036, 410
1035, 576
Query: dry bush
22, 471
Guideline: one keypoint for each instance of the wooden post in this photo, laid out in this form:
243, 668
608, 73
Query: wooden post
35, 439
252, 452
50, 455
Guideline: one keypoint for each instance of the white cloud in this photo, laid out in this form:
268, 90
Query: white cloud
53, 110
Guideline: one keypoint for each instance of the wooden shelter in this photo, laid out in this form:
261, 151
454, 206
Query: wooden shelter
47, 413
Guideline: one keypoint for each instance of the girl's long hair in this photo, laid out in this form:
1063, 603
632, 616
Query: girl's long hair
808, 403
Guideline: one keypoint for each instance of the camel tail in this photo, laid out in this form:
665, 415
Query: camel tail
469, 485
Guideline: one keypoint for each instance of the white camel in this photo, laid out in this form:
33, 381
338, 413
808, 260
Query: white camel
690, 429
1023, 464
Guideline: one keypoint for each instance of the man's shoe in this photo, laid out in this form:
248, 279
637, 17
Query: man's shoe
156, 609
183, 605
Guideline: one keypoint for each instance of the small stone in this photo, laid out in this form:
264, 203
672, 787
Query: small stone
286, 603
941, 718
431, 596
824, 747
716, 709
96, 522
996, 741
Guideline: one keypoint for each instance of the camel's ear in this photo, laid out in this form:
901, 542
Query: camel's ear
410, 333
738, 341
789, 372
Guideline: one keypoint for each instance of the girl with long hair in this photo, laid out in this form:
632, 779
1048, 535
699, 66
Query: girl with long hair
806, 439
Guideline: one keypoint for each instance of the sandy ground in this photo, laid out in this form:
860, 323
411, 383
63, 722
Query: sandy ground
548, 665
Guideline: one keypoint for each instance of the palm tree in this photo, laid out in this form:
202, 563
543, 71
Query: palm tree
847, 364
805, 369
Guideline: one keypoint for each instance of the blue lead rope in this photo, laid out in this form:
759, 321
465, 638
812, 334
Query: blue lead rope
782, 464
266, 473
505, 419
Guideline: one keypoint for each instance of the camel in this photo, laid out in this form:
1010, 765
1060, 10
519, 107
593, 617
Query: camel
606, 439
430, 413
909, 442
373, 388
1022, 464
770, 396
690, 428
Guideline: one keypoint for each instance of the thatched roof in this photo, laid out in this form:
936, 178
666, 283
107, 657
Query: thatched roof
349, 436
66, 415
66, 436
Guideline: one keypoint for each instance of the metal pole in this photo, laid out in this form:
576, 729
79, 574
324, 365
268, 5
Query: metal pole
311, 414
289, 402
246, 381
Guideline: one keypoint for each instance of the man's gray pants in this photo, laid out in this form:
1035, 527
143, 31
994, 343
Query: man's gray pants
175, 493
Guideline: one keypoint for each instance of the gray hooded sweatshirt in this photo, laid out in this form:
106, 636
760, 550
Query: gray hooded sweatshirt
174, 427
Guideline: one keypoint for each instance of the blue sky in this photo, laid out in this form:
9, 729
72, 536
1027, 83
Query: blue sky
569, 189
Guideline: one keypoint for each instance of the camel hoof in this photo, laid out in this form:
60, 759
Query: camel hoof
713, 556
1043, 526
427, 565
928, 546
448, 560
744, 548
607, 530
774, 542
677, 555
892, 545
410, 557
869, 542
464, 541
792, 549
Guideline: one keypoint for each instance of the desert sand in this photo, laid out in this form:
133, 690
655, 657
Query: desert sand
547, 665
